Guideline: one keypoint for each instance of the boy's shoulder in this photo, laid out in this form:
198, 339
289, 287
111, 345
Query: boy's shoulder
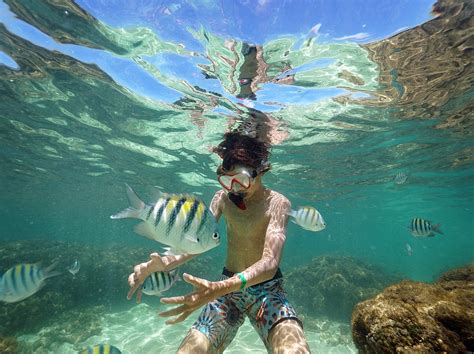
277, 199
275, 194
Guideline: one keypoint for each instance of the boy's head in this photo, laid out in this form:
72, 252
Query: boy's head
244, 160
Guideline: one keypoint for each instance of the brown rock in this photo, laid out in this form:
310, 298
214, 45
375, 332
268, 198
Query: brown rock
414, 316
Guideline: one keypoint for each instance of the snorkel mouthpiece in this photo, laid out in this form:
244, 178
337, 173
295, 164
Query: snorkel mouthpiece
238, 200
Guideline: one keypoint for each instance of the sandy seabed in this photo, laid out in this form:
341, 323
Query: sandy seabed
139, 330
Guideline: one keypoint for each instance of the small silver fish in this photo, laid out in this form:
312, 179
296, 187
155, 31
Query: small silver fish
308, 218
74, 268
177, 220
101, 349
159, 282
23, 280
423, 228
409, 249
400, 178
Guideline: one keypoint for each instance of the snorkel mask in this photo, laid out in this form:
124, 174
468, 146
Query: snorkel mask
238, 180
235, 183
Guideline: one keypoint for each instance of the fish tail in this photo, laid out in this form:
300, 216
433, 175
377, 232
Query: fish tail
135, 209
436, 228
291, 213
50, 272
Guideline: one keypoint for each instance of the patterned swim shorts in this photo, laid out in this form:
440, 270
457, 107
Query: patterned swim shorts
265, 305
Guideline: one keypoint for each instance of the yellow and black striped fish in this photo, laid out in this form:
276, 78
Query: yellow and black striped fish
180, 221
159, 282
308, 218
23, 280
424, 228
101, 349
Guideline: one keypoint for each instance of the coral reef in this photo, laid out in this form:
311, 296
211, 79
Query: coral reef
73, 326
414, 316
332, 285
8, 345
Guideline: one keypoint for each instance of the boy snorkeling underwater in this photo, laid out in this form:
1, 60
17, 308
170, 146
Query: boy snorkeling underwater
251, 282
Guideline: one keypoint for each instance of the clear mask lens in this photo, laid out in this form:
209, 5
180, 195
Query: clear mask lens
236, 182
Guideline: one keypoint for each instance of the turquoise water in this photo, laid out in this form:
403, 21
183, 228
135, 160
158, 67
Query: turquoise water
95, 95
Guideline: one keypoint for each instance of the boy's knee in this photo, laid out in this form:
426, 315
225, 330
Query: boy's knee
288, 337
195, 342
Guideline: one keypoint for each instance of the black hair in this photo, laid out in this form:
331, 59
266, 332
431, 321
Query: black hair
240, 149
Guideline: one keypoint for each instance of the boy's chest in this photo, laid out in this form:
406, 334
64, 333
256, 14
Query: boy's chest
253, 219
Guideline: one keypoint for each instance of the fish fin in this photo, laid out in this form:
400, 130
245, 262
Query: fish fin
177, 251
145, 230
127, 213
157, 194
436, 228
133, 198
190, 238
168, 252
135, 209
50, 272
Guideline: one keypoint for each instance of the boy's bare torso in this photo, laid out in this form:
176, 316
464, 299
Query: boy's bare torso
246, 229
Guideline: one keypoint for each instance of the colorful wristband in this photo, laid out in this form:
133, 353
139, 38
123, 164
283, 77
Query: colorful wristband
243, 280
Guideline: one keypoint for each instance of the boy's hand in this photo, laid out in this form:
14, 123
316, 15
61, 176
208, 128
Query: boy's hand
141, 272
204, 292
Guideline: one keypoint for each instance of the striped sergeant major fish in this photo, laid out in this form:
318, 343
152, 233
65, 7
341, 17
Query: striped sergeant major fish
159, 282
308, 218
423, 228
180, 221
23, 280
101, 349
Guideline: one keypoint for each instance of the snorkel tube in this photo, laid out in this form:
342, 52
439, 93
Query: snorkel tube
237, 199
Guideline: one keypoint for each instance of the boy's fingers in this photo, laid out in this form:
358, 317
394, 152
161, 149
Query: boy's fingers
178, 319
197, 282
131, 280
131, 292
173, 312
173, 300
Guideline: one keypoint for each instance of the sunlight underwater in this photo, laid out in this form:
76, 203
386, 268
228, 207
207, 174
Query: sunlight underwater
376, 135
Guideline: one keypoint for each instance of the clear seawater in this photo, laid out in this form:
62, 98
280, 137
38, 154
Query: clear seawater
95, 94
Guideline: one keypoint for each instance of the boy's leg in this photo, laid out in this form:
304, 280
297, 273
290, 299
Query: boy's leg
276, 320
195, 342
287, 336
